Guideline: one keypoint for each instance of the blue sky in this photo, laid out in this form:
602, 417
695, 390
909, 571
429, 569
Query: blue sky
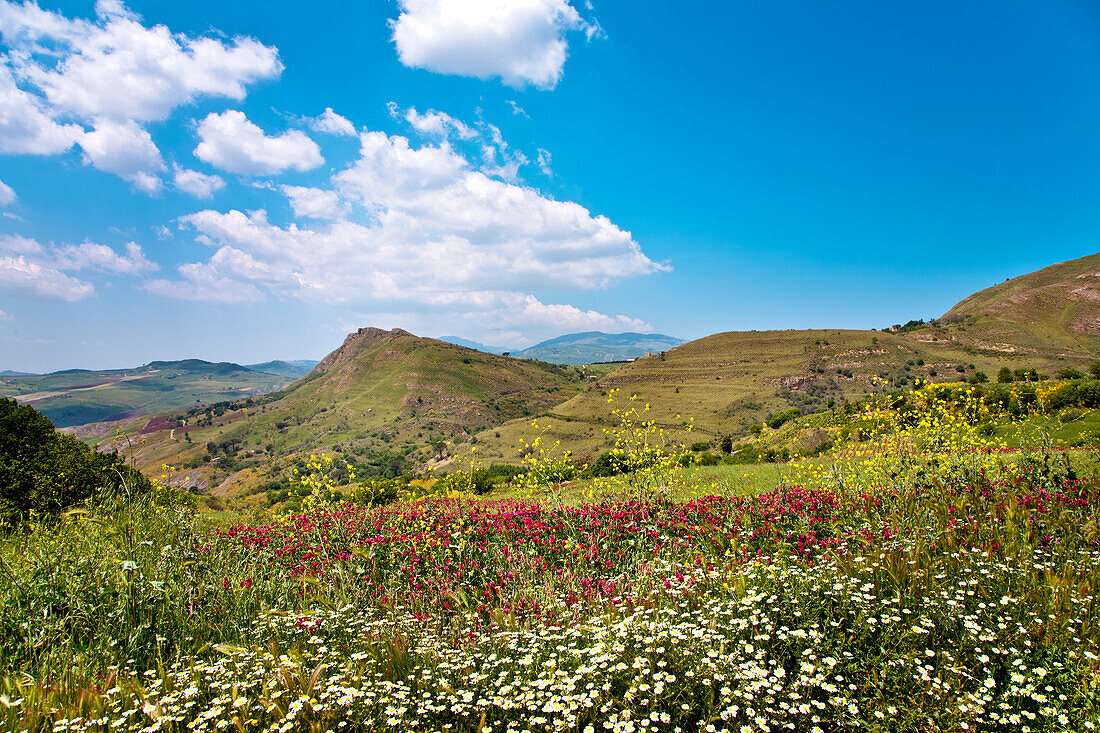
244, 181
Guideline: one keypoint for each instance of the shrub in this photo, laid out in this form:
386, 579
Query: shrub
780, 418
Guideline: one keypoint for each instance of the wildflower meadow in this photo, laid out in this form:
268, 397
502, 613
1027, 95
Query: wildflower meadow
925, 577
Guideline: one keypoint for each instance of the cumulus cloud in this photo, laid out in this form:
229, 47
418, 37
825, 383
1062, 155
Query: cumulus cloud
199, 185
126, 149
315, 203
28, 266
223, 279
113, 74
92, 256
228, 140
333, 124
7, 194
497, 157
116, 67
25, 126
20, 273
25, 267
520, 41
423, 227
434, 124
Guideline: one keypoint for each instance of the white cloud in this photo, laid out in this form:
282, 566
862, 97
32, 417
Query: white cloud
209, 282
114, 74
6, 316
125, 149
25, 126
315, 203
231, 142
199, 185
521, 41
7, 194
101, 257
543, 161
439, 236
119, 68
498, 159
31, 267
333, 124
20, 273
517, 110
434, 124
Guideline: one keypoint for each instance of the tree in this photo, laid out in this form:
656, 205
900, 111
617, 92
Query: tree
726, 444
1094, 369
978, 378
1004, 376
44, 472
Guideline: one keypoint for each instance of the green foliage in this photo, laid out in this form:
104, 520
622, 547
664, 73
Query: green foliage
780, 418
43, 472
1004, 376
610, 463
979, 378
475, 481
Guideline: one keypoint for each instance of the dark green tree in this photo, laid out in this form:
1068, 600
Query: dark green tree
1005, 375
44, 472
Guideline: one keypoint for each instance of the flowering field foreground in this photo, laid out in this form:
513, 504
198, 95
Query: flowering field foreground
969, 606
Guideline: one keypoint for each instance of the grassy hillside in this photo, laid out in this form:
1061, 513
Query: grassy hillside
731, 381
78, 396
384, 396
1055, 310
380, 399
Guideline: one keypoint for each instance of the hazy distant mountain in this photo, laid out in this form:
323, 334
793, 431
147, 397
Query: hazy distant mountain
10, 373
294, 368
78, 396
459, 341
595, 346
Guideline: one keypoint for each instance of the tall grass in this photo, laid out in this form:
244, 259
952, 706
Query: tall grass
951, 593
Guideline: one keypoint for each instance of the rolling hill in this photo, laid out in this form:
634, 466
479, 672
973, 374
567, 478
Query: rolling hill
381, 397
1052, 311
78, 396
595, 346
384, 397
728, 382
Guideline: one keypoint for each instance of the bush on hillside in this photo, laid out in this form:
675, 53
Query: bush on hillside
44, 472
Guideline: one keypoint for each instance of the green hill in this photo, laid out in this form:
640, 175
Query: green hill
595, 346
78, 396
384, 396
380, 399
1052, 311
